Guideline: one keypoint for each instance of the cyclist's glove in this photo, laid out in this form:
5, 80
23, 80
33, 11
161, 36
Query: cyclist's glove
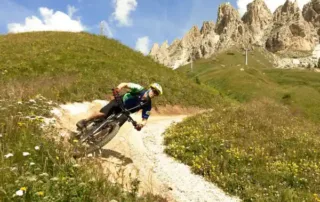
138, 127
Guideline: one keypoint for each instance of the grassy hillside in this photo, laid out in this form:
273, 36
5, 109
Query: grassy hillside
80, 66
263, 148
37, 165
259, 151
69, 67
228, 74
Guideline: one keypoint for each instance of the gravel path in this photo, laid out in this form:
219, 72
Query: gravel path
141, 155
185, 185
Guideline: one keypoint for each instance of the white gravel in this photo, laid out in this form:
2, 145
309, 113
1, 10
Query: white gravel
186, 186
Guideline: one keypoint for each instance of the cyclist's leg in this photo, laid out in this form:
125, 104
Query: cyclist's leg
104, 112
110, 108
114, 108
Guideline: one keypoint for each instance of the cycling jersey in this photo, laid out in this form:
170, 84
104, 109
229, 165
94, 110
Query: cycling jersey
134, 98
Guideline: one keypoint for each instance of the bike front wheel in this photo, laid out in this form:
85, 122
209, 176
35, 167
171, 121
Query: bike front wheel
102, 137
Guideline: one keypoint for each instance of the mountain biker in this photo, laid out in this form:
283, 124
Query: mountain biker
136, 95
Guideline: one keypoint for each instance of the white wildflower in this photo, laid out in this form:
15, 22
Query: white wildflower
44, 175
13, 168
82, 184
25, 153
8, 155
19, 103
89, 155
54, 179
19, 193
32, 163
32, 101
76, 165
37, 148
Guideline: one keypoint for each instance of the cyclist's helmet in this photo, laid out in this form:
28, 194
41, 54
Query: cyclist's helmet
156, 87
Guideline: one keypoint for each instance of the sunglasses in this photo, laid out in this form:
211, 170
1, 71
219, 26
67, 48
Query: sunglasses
155, 91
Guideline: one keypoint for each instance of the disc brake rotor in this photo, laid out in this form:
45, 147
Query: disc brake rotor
100, 135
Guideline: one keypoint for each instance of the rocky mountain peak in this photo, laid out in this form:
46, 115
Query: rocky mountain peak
311, 13
290, 11
155, 48
165, 45
284, 30
192, 37
227, 17
258, 18
194, 32
291, 32
207, 27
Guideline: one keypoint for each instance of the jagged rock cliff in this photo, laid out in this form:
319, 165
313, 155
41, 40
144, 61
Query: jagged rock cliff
311, 13
287, 29
291, 32
258, 18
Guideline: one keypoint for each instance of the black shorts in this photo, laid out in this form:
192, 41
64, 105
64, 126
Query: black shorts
113, 107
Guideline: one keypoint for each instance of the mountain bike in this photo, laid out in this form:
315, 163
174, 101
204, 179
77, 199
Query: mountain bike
101, 131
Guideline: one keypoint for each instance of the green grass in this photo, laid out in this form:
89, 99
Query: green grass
298, 88
264, 147
80, 66
66, 67
47, 172
259, 151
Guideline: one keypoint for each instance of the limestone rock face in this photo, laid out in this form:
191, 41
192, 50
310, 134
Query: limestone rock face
290, 31
259, 19
311, 13
195, 44
207, 28
230, 27
287, 29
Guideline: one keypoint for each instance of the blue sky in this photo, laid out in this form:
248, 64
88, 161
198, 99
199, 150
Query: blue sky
127, 20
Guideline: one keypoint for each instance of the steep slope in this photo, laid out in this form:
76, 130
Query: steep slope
80, 66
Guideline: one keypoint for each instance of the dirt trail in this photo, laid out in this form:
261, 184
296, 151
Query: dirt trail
132, 154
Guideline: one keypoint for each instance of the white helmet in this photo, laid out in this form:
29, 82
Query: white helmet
157, 87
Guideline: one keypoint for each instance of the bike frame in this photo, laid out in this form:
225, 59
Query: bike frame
124, 111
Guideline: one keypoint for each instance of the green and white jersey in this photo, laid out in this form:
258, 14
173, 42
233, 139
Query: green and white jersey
135, 89
134, 97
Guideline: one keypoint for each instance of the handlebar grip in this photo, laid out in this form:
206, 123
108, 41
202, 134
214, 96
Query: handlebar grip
134, 123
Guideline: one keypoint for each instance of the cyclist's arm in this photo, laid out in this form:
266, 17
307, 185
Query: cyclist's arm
131, 86
144, 122
145, 115
122, 85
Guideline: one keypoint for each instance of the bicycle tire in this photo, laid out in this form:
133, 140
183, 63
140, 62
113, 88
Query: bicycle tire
107, 138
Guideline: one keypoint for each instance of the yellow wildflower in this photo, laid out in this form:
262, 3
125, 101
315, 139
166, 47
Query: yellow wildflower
23, 188
40, 193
